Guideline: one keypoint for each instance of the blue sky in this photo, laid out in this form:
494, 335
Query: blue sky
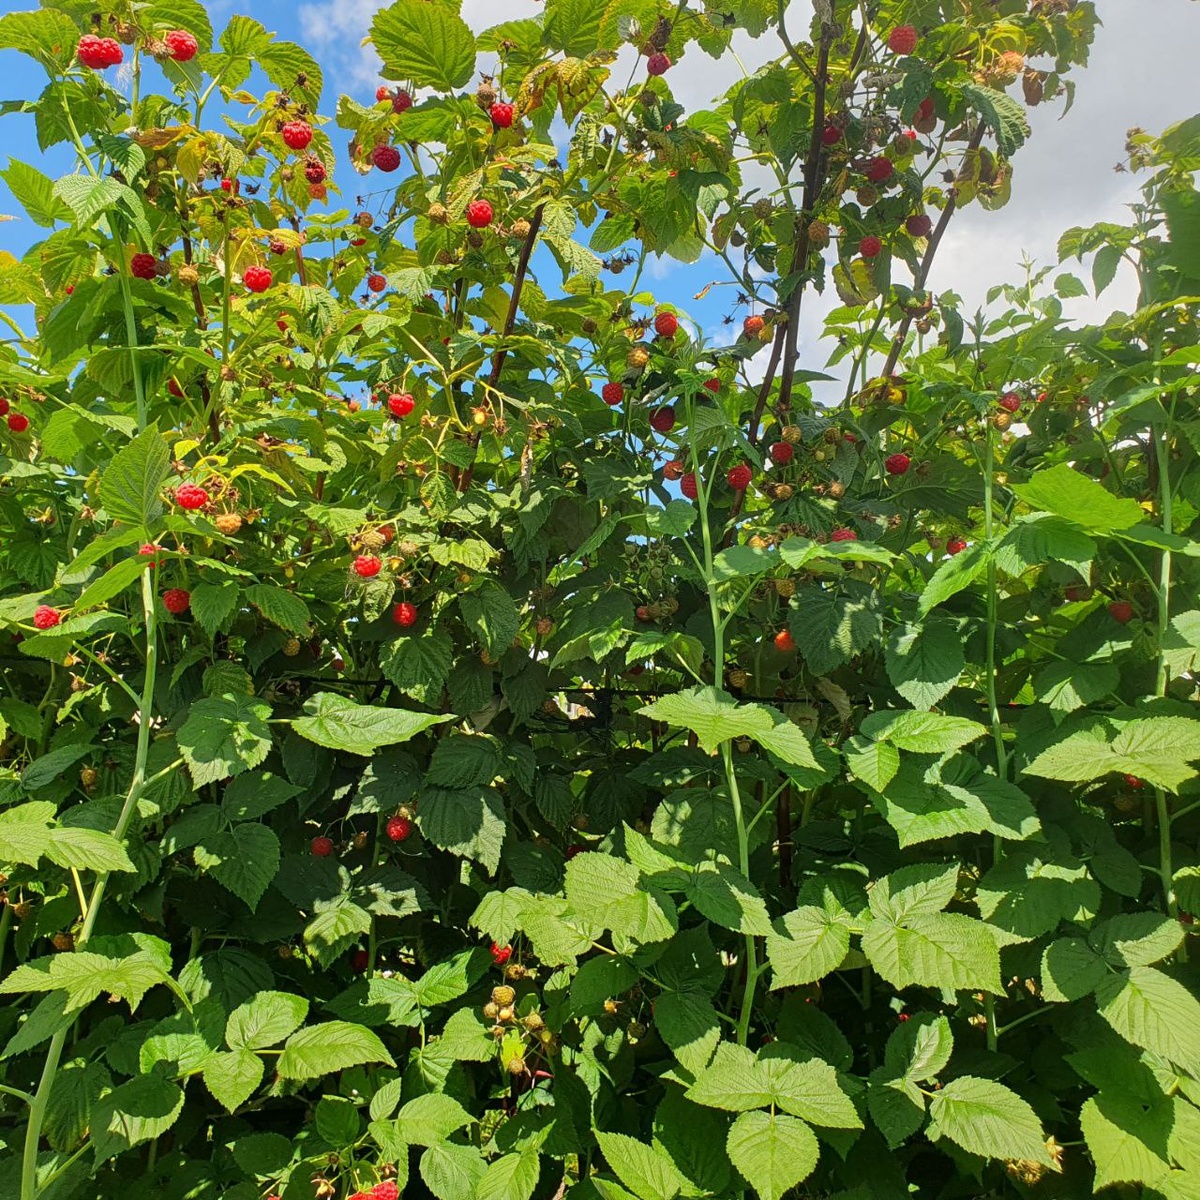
1141, 75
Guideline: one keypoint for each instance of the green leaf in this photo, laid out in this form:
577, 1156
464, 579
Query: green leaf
255, 794
920, 1048
130, 486
432, 1118
87, 850
920, 732
245, 861
1069, 493
1027, 896
1157, 749
644, 1170
1128, 1140
942, 950
265, 1020
320, 1050
986, 1118
689, 1026
773, 1152
136, 1112
598, 885
510, 1177
463, 760
953, 576
224, 736
35, 193
1043, 538
84, 975
88, 196
451, 1171
1153, 1011
490, 613
729, 899
213, 604
672, 521
426, 44
1071, 969
341, 724
25, 832
1004, 115
715, 717
805, 946
924, 662
280, 607
469, 822
232, 1077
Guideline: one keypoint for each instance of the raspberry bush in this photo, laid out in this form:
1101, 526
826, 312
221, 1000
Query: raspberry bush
467, 734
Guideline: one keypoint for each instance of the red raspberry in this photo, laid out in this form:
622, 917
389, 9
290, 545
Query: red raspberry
642, 613
1132, 781
479, 214
843, 535
189, 496
382, 92
666, 324
4, 407
296, 135
405, 614
500, 954
314, 171
176, 601
782, 453
401, 101
386, 158
739, 477
612, 393
400, 404
902, 39
662, 420
784, 642
673, 470
387, 1190
18, 422
228, 185
376, 283
572, 851
924, 110
688, 485
658, 64
919, 225
97, 52
879, 169
360, 960
713, 385
502, 116
1121, 611
257, 279
1010, 402
322, 847
955, 545
399, 829
143, 266
897, 464
174, 388
182, 45
45, 617
367, 566
870, 246
148, 550
358, 241
831, 135
753, 326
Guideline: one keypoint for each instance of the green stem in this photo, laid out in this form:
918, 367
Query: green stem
988, 519
747, 1009
1166, 867
137, 786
